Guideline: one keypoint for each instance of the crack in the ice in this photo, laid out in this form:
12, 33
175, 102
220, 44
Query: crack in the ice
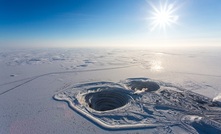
52, 73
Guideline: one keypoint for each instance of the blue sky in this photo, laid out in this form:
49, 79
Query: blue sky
74, 23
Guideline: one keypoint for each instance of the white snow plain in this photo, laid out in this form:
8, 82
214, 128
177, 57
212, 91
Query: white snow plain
32, 80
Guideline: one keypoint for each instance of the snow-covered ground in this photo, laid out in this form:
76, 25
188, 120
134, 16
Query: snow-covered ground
31, 78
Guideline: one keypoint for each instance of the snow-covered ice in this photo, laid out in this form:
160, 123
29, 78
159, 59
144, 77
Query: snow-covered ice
32, 80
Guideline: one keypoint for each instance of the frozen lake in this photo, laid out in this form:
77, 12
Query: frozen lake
31, 78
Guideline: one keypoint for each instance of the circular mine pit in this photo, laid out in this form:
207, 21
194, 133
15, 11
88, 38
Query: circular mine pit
139, 85
108, 99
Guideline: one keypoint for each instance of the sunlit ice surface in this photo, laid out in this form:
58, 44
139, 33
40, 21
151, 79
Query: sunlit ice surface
163, 16
122, 77
156, 66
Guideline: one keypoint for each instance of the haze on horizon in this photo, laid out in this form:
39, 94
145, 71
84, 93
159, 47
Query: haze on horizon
109, 23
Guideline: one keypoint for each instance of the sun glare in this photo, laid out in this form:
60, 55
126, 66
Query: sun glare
163, 16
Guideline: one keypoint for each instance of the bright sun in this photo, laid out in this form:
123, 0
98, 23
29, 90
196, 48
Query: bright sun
163, 16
